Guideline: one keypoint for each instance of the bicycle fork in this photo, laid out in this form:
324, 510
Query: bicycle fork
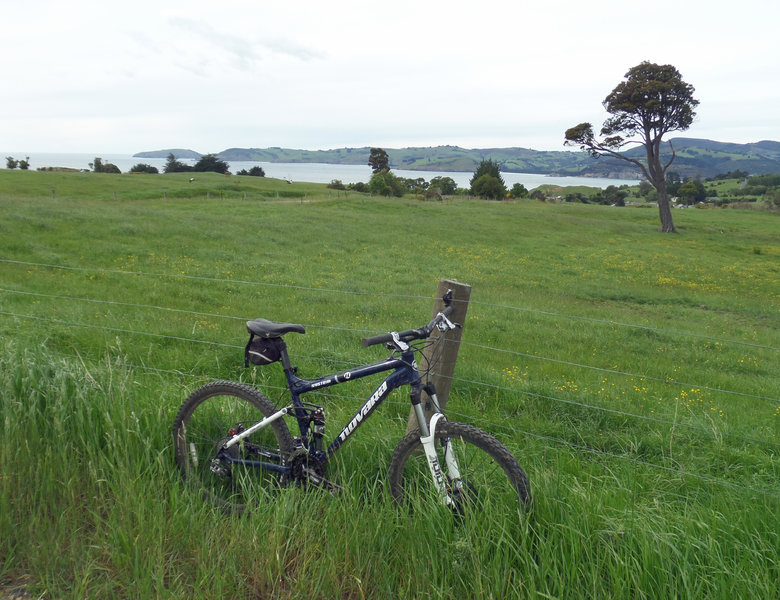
444, 484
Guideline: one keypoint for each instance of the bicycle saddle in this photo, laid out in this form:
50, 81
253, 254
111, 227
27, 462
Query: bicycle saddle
269, 329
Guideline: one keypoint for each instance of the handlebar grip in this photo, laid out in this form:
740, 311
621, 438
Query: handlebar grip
377, 339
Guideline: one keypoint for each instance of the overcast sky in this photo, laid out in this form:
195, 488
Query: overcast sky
98, 77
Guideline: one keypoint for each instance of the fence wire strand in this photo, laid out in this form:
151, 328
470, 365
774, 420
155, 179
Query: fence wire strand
519, 432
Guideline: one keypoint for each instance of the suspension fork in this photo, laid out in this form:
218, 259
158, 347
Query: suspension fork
442, 482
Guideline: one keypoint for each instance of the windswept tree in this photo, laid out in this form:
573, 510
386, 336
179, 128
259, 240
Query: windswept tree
651, 102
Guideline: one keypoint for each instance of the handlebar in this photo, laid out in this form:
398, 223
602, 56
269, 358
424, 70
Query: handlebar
440, 320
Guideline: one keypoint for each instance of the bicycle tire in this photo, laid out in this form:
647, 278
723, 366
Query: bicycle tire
203, 424
494, 483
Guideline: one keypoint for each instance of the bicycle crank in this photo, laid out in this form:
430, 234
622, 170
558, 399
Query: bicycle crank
315, 479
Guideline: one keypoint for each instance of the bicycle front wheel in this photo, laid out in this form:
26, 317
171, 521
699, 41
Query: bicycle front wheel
488, 482
232, 477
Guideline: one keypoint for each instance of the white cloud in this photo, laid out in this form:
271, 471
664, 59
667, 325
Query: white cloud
210, 75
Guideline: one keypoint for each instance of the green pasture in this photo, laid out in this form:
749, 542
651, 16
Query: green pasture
634, 375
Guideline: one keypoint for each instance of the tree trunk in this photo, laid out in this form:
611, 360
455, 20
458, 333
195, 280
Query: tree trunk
664, 207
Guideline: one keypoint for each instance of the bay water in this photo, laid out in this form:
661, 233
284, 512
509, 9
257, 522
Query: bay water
309, 172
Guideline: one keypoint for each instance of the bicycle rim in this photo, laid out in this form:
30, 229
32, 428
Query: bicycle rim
491, 485
209, 417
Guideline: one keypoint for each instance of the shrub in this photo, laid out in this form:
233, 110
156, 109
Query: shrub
253, 172
518, 191
144, 168
384, 183
98, 166
488, 186
446, 185
359, 187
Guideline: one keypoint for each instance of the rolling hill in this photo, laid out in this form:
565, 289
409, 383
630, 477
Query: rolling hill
694, 157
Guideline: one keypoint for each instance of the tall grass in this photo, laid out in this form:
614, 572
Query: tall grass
633, 374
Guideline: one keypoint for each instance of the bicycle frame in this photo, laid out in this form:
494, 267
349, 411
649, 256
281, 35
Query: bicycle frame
405, 372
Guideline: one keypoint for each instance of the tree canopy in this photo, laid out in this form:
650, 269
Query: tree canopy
378, 160
175, 166
206, 163
652, 101
211, 164
144, 168
487, 181
12, 163
445, 185
384, 183
256, 171
98, 166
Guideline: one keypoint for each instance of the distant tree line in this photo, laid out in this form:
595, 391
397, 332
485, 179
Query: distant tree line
255, 171
486, 182
736, 174
208, 163
12, 163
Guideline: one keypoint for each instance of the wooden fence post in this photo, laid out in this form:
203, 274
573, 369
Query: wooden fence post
442, 372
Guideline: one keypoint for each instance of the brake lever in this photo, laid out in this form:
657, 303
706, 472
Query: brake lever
398, 343
444, 324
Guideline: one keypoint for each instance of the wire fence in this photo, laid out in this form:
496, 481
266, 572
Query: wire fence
509, 390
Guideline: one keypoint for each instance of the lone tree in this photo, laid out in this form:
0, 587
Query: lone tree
651, 102
175, 166
487, 181
378, 160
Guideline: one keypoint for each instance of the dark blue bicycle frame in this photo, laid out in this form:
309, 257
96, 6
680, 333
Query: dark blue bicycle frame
405, 372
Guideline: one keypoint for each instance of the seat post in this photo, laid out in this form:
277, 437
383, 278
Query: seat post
284, 356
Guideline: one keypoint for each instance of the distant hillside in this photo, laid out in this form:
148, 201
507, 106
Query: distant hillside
177, 152
707, 158
433, 158
695, 157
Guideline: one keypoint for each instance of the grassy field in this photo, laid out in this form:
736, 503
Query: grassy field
633, 374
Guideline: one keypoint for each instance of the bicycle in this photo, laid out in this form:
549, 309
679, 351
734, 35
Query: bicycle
231, 441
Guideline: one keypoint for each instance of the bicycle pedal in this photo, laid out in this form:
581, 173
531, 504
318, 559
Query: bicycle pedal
318, 480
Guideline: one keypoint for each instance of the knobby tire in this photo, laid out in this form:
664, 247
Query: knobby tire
493, 482
202, 426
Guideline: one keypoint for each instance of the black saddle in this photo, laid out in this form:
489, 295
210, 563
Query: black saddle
268, 329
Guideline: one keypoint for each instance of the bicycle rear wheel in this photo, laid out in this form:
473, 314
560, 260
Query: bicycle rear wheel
492, 483
209, 417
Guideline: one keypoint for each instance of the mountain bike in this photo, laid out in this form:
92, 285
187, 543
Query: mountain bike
234, 445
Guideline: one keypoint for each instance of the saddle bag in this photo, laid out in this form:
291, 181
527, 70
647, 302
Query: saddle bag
262, 351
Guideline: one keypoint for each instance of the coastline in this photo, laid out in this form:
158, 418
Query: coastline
308, 171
